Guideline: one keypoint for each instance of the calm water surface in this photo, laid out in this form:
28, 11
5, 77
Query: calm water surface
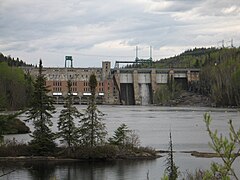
152, 124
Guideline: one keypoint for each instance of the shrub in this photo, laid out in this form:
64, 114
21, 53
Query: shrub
98, 152
14, 149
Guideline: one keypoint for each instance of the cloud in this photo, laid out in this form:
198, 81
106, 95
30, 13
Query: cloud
232, 10
95, 30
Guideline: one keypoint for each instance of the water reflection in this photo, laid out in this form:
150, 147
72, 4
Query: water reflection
120, 170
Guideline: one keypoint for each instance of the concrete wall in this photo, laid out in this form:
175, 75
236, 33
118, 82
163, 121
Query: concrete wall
126, 78
142, 78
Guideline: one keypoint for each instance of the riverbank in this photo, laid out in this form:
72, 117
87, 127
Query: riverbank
14, 151
197, 154
189, 99
59, 159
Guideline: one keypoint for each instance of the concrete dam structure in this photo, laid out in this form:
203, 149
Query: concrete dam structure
137, 86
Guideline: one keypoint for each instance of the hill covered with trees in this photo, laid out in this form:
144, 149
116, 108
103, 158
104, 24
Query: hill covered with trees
192, 58
12, 62
219, 76
15, 86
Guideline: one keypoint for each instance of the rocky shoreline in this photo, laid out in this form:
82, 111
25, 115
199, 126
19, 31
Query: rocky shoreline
186, 98
59, 159
197, 154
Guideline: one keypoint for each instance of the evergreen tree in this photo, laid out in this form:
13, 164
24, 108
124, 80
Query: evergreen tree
66, 126
41, 113
92, 129
124, 137
171, 168
120, 136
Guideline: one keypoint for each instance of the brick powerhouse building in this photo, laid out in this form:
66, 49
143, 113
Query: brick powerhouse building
56, 80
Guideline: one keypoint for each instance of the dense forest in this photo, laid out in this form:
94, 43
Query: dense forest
219, 76
13, 62
193, 58
15, 86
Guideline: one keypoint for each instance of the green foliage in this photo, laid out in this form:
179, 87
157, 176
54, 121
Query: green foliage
165, 177
3, 125
193, 58
125, 138
120, 136
199, 175
92, 129
219, 75
162, 94
93, 84
14, 149
6, 120
12, 62
219, 78
41, 113
96, 152
15, 89
171, 169
165, 93
66, 126
228, 150
14, 126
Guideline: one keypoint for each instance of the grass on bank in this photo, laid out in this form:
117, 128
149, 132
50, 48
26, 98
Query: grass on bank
104, 152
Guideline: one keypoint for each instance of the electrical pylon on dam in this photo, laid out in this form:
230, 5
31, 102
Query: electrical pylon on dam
137, 60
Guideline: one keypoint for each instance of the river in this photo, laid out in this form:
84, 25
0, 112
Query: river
152, 124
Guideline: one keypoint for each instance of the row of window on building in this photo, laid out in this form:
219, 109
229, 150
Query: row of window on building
74, 89
74, 83
57, 89
87, 83
71, 76
57, 83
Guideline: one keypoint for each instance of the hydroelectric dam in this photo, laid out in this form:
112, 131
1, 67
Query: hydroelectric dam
127, 86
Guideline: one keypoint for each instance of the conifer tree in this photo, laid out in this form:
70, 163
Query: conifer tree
171, 168
120, 136
66, 126
40, 113
92, 129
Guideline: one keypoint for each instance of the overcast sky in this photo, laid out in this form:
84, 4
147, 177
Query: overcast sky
95, 30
